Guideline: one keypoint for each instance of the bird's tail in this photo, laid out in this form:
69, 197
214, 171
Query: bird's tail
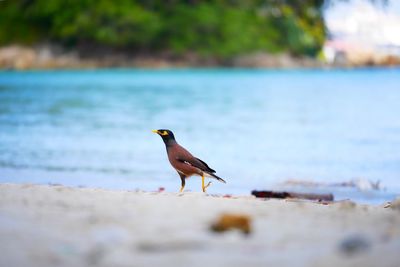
216, 177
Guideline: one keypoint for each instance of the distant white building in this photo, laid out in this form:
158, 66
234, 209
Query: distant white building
360, 30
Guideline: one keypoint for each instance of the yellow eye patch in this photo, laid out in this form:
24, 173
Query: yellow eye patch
164, 133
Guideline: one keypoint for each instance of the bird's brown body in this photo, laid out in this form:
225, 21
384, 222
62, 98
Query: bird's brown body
184, 162
178, 152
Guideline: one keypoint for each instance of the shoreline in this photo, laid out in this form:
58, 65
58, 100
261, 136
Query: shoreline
48, 225
46, 57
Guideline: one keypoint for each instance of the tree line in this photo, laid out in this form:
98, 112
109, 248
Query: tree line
220, 28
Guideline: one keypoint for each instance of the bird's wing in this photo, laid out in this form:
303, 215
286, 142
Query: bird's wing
198, 163
184, 156
195, 162
209, 169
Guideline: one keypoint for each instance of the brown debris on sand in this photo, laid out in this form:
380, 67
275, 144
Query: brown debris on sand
395, 204
232, 221
284, 194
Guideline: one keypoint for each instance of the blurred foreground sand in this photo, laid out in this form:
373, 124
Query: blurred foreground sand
62, 226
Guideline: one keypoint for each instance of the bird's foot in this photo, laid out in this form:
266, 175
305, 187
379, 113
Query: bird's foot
205, 187
181, 190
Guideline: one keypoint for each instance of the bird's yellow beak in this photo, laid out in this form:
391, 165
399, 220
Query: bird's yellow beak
155, 131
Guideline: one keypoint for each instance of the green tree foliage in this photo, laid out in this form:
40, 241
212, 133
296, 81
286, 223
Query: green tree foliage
219, 28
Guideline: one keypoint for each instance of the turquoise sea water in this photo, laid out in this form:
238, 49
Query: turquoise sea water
257, 128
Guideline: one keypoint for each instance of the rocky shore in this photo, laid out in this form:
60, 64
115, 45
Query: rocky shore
54, 57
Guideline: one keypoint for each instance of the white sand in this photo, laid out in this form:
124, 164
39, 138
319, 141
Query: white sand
61, 226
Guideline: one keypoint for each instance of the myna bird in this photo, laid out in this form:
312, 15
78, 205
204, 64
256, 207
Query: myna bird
185, 163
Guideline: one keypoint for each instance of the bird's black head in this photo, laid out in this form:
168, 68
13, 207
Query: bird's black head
167, 136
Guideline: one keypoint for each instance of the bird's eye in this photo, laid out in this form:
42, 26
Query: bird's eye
164, 133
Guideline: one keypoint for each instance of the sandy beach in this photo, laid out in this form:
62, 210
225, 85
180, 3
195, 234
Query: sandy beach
44, 225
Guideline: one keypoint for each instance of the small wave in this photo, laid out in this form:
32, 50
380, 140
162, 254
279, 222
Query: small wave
67, 169
68, 104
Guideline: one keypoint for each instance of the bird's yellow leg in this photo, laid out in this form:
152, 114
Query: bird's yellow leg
182, 184
204, 187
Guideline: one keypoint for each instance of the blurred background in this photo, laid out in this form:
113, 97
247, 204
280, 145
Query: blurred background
272, 94
251, 33
202, 32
